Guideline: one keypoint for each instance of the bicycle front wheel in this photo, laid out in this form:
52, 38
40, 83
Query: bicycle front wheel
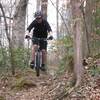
37, 62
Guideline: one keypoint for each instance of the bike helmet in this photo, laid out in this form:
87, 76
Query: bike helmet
38, 14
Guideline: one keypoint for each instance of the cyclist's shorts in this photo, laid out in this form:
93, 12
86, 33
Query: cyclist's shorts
43, 44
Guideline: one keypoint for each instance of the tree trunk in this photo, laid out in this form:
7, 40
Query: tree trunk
88, 15
38, 5
88, 22
9, 41
19, 24
77, 16
57, 15
44, 5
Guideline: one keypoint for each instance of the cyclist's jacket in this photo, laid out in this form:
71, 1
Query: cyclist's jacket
40, 30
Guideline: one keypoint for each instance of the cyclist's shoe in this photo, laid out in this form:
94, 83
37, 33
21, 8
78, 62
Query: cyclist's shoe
32, 65
43, 67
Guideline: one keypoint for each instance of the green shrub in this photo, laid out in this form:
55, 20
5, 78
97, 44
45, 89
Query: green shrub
20, 58
94, 70
98, 31
66, 63
2, 98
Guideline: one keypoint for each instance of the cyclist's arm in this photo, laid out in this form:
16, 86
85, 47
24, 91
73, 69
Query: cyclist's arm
48, 27
49, 30
31, 26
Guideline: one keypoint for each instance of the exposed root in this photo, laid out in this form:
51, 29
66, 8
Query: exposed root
64, 93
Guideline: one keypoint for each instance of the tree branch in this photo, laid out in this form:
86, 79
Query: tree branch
6, 27
7, 17
61, 17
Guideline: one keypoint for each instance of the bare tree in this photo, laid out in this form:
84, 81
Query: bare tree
77, 17
9, 40
19, 24
38, 5
44, 5
57, 14
87, 16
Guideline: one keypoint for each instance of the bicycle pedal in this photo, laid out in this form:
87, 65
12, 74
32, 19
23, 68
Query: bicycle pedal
32, 66
42, 68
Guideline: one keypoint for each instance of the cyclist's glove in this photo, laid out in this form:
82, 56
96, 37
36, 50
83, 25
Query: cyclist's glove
50, 37
27, 37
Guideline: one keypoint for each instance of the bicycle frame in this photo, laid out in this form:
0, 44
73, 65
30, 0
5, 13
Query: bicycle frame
38, 54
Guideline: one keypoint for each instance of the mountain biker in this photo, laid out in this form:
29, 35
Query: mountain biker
41, 29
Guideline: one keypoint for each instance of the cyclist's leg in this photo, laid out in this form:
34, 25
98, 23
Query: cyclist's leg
44, 57
33, 51
34, 46
33, 55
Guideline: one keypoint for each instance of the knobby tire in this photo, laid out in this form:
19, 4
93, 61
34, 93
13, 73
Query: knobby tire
37, 64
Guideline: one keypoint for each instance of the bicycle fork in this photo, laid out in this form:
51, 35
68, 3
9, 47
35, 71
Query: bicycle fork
38, 59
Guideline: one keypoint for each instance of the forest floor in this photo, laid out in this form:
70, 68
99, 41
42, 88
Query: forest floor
24, 85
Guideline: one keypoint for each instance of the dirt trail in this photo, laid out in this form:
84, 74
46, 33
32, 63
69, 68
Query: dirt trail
32, 87
26, 86
35, 93
44, 87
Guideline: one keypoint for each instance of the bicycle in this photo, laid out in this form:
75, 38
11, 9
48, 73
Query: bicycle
38, 53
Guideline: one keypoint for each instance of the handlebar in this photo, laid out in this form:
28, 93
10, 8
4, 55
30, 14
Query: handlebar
35, 38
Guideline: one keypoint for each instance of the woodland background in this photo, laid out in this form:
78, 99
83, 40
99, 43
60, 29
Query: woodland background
73, 56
